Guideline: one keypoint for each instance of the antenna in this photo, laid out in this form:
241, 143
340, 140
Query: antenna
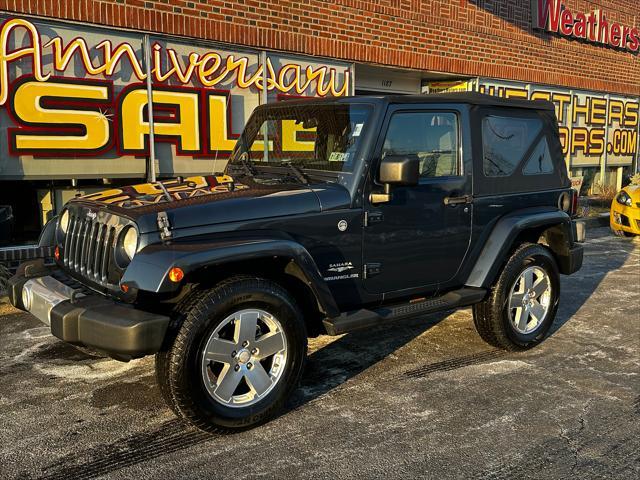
265, 99
152, 146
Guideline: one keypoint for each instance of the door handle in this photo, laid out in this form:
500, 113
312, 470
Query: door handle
458, 200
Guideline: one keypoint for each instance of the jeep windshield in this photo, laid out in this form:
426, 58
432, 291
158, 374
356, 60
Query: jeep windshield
305, 141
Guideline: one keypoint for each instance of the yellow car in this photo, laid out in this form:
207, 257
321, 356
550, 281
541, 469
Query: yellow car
625, 212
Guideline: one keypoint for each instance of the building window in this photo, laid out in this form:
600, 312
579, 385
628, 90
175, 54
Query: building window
431, 136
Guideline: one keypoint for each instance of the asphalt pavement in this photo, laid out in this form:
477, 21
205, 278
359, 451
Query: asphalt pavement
420, 399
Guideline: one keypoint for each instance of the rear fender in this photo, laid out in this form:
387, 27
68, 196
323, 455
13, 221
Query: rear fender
533, 223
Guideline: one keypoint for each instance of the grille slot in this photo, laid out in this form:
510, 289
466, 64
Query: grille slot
88, 248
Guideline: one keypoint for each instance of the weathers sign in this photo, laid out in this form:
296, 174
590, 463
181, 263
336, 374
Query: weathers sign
594, 27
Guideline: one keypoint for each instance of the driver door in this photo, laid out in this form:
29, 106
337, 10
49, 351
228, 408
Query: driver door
418, 239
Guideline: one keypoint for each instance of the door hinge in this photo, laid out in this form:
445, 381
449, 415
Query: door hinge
372, 269
372, 217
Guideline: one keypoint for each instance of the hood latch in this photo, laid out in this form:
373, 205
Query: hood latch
164, 226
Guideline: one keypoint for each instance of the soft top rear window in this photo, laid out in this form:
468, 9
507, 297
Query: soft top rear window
505, 140
516, 151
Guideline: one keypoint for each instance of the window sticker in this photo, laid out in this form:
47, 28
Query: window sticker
338, 157
357, 130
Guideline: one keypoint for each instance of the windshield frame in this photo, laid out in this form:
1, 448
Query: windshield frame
348, 179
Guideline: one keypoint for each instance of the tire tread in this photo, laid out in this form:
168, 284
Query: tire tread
488, 314
170, 371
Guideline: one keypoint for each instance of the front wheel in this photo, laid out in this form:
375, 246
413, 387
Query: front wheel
523, 302
237, 356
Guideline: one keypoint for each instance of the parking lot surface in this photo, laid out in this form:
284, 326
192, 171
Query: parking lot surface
425, 398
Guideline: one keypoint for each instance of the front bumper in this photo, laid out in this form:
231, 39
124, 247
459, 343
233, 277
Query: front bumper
83, 318
626, 219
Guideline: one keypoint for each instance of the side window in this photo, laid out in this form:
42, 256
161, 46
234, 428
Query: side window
432, 136
539, 162
505, 140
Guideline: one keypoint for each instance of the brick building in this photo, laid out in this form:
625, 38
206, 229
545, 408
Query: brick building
74, 85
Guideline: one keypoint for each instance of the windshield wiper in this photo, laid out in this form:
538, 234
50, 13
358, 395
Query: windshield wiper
298, 173
245, 165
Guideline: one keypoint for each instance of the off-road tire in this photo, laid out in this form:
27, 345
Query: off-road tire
178, 368
162, 359
5, 274
491, 317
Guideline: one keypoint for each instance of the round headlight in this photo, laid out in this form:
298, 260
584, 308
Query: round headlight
130, 242
64, 221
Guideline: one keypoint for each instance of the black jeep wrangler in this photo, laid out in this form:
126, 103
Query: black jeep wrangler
332, 215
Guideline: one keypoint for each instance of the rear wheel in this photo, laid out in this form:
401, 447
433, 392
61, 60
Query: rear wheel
523, 302
236, 357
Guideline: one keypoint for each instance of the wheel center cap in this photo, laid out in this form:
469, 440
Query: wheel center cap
243, 356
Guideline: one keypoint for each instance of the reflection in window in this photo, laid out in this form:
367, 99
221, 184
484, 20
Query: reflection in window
505, 141
310, 136
539, 161
432, 137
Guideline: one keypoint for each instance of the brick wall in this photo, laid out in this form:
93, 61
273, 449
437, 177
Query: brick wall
490, 38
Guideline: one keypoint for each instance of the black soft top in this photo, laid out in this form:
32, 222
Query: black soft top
471, 98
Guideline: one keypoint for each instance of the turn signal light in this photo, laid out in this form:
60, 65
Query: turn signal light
56, 254
176, 274
124, 287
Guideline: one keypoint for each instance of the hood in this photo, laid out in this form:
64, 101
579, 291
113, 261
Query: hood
156, 196
634, 193
203, 200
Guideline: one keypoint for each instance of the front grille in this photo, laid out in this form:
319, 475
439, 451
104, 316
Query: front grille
624, 220
88, 248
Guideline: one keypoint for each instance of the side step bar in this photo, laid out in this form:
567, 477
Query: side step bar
363, 318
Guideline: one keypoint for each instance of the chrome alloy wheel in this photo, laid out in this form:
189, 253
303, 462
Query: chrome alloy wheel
530, 300
244, 358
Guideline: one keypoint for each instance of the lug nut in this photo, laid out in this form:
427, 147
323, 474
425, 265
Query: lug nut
233, 354
254, 351
249, 365
237, 367
245, 343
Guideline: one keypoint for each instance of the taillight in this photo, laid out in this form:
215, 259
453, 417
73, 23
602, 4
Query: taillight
574, 202
568, 202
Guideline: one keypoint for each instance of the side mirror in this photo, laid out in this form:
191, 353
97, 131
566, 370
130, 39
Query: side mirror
396, 170
400, 170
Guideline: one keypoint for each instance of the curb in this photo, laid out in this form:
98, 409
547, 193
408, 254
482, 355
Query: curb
602, 220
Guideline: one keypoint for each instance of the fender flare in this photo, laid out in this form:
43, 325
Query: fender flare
47, 236
506, 230
149, 269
